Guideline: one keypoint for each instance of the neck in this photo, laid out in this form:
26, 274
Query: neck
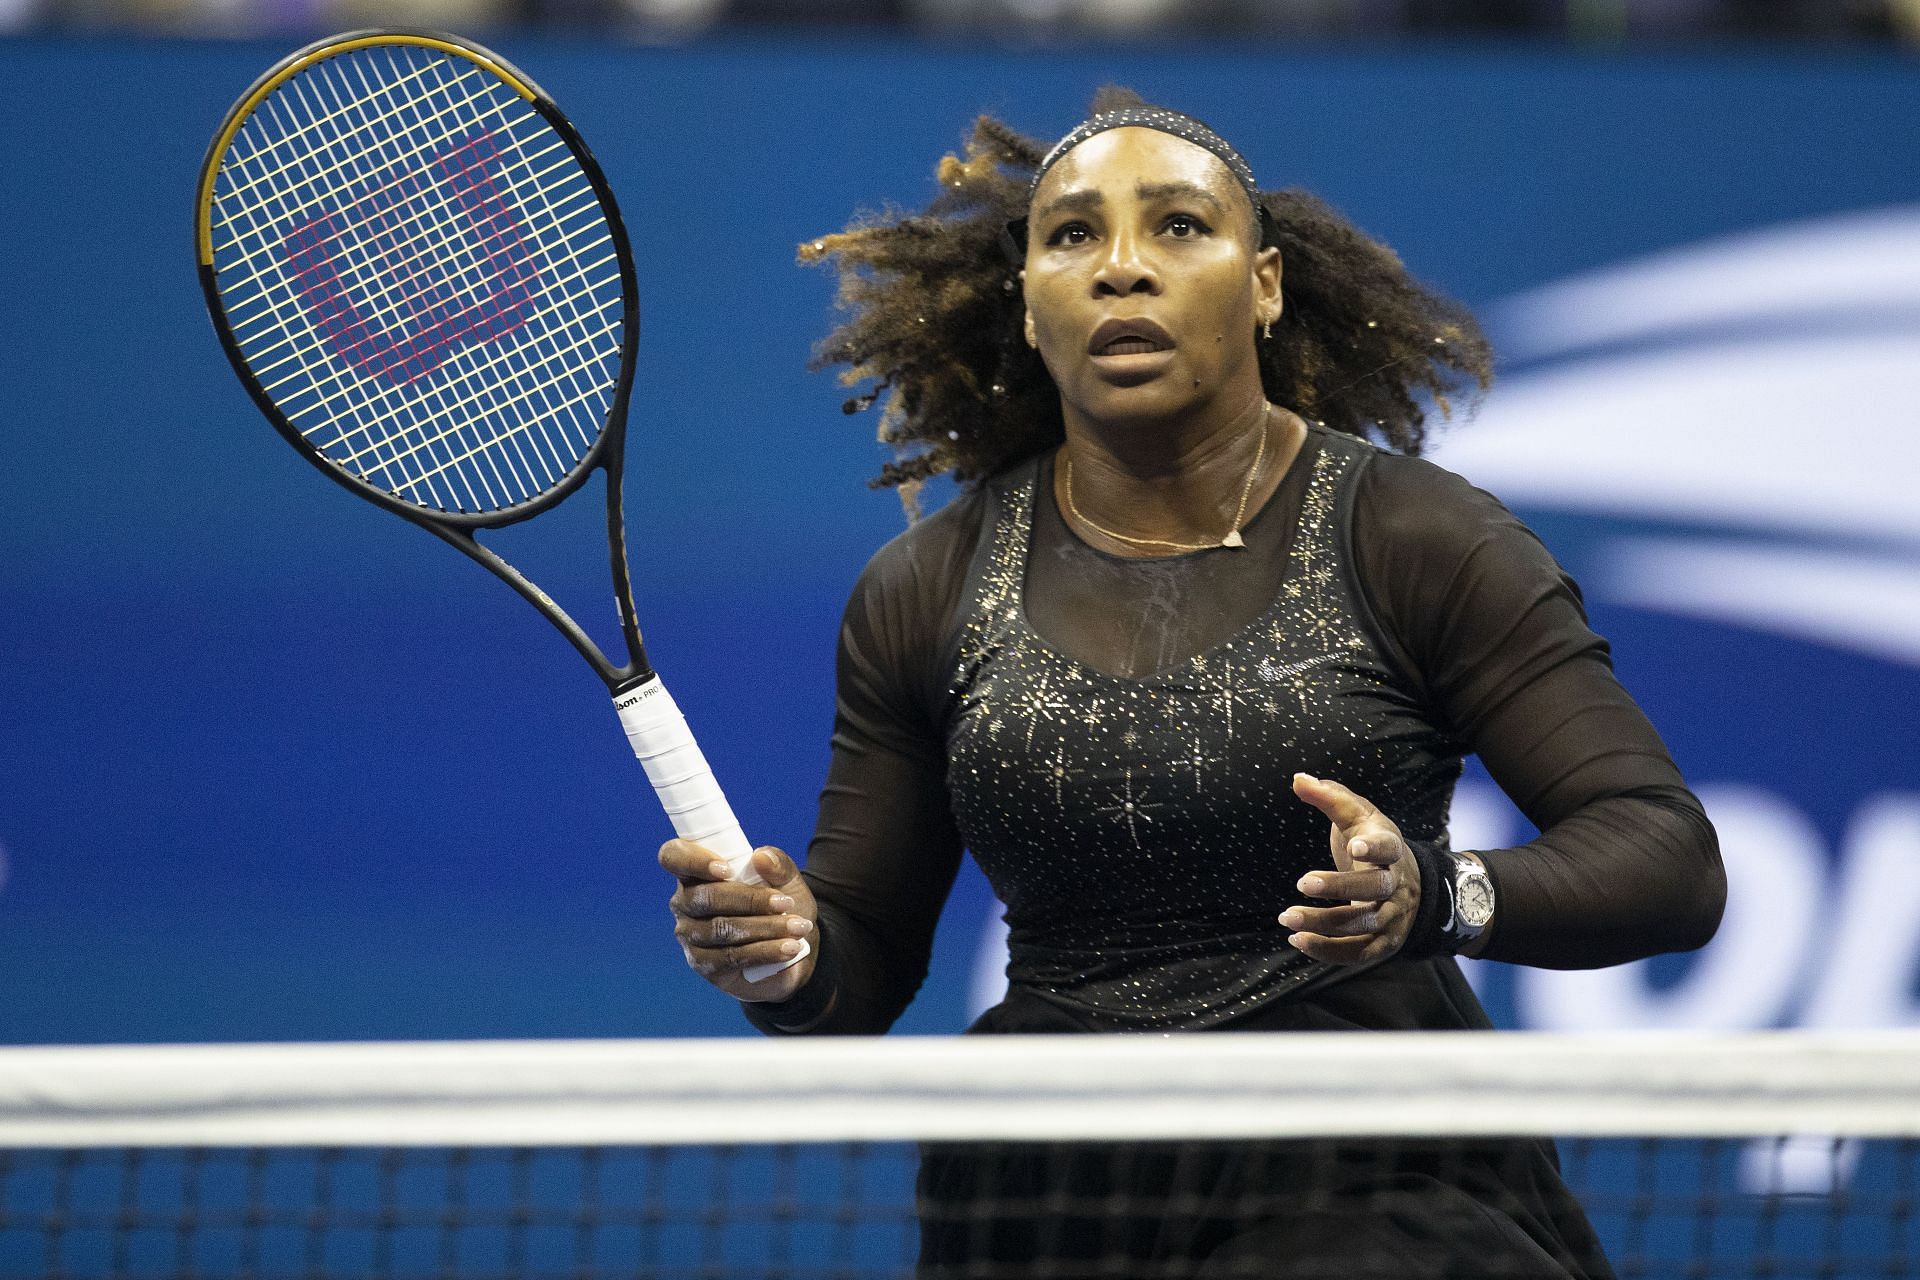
1172, 486
1151, 450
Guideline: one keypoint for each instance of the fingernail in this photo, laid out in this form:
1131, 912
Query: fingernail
1358, 848
1309, 777
1293, 941
790, 948
1290, 918
1312, 884
719, 870
780, 902
799, 926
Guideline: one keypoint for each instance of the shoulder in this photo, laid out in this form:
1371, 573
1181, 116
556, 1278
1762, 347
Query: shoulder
904, 607
1407, 500
928, 560
897, 630
1429, 544
1413, 502
1411, 516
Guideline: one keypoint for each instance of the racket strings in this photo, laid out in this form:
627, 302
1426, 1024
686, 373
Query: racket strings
418, 486
415, 268
538, 408
353, 427
487, 485
314, 133
473, 491
420, 223
391, 308
577, 375
526, 397
391, 470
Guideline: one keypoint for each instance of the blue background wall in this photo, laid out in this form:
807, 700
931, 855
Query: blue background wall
273, 765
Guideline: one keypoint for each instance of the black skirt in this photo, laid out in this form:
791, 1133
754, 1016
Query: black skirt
1274, 1210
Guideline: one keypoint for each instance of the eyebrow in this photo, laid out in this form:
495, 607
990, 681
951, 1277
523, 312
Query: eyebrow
1179, 191
1085, 201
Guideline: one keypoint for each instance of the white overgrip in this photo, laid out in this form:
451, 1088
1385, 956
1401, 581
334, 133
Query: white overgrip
698, 809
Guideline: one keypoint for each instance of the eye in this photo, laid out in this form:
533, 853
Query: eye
1183, 226
1070, 233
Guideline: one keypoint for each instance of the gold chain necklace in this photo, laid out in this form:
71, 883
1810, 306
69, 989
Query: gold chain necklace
1232, 539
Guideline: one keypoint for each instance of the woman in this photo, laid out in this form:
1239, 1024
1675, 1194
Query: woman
1185, 624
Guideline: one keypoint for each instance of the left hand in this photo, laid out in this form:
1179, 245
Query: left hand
1376, 875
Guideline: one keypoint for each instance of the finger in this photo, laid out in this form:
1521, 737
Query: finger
1343, 950
1349, 886
1378, 848
775, 868
715, 962
1339, 804
692, 862
720, 898
1350, 921
734, 931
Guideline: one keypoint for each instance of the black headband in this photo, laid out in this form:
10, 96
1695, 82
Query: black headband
1180, 126
1158, 118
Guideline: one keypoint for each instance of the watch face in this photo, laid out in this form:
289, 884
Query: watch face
1475, 900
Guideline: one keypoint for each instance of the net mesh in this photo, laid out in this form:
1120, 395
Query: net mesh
945, 1159
418, 272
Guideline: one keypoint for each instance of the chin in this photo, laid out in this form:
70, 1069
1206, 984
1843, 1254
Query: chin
1154, 401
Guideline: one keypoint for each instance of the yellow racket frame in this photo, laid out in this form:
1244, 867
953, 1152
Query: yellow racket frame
299, 61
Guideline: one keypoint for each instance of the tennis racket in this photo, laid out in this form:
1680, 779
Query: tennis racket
420, 275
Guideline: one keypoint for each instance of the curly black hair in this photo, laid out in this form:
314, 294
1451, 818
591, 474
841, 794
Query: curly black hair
935, 323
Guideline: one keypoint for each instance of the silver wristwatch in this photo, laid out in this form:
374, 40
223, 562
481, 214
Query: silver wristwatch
1469, 900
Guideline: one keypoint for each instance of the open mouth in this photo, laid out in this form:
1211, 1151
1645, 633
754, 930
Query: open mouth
1131, 347
1138, 336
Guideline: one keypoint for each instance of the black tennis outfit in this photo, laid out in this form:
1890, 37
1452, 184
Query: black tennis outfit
1114, 739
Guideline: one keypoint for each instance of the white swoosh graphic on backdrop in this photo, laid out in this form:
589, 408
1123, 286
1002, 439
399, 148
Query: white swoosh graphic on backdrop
1865, 603
1807, 436
1858, 262
1802, 438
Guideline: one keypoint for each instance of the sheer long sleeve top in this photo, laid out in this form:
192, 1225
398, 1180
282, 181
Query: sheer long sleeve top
1384, 619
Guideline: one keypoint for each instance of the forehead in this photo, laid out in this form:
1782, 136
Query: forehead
1118, 160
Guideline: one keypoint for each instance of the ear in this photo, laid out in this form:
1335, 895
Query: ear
1268, 301
1026, 324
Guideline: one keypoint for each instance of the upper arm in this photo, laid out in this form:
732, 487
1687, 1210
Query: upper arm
1495, 634
885, 849
1496, 637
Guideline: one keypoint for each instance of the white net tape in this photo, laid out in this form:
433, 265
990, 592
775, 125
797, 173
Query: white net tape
1059, 1087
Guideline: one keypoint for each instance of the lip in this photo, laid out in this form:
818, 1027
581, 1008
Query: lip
1138, 327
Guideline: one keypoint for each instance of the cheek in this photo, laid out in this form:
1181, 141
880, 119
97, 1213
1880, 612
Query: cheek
1049, 327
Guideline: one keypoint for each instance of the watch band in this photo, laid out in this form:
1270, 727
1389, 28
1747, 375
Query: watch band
1438, 926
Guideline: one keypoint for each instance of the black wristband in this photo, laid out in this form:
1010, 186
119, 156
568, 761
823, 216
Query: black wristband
808, 1005
1428, 937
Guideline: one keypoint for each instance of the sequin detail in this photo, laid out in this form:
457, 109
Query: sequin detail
1162, 120
1143, 831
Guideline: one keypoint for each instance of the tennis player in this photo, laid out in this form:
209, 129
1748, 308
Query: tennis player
1191, 667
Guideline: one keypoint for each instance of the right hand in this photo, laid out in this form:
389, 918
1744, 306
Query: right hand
726, 925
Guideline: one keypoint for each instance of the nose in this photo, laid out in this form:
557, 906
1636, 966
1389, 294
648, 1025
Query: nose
1125, 269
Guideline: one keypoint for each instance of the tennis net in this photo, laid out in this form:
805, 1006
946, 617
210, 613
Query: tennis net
1696, 1156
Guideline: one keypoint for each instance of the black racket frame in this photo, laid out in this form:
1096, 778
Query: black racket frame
458, 529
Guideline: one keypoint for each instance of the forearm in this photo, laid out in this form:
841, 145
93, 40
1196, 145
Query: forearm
884, 850
1621, 878
880, 864
842, 997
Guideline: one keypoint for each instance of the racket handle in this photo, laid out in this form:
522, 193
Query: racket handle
684, 782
